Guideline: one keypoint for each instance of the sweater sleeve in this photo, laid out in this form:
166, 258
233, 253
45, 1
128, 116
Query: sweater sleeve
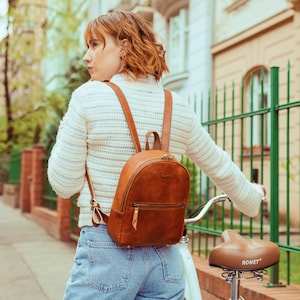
66, 165
223, 172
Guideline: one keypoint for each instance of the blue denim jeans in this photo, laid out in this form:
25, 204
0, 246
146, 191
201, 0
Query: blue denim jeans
102, 270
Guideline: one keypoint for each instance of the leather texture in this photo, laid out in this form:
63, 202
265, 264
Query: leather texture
149, 206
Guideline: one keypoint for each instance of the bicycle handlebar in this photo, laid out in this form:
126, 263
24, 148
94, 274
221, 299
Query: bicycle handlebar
206, 207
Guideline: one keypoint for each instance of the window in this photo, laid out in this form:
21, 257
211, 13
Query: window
178, 41
257, 127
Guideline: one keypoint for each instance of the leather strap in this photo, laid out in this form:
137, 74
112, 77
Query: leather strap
97, 214
156, 143
127, 114
165, 137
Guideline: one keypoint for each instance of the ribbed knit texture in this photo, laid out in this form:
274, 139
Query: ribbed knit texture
94, 131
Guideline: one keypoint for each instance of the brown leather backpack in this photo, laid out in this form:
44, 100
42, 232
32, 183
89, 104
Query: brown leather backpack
150, 200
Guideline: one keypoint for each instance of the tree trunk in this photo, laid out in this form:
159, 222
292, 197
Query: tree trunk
9, 130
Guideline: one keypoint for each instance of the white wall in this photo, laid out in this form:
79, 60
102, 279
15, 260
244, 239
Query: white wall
228, 24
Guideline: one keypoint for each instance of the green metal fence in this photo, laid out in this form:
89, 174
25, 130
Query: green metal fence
14, 167
263, 139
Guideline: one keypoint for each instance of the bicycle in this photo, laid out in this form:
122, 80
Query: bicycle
236, 256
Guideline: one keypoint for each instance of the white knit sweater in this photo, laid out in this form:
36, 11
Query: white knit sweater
94, 132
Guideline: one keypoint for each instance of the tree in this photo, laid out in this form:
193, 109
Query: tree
28, 101
9, 130
75, 76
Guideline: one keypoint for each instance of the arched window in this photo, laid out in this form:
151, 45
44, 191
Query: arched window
257, 98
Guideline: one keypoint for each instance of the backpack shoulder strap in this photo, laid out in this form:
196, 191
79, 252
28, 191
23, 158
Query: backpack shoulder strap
165, 138
127, 114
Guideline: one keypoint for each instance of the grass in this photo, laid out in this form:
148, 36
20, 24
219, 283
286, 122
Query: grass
294, 267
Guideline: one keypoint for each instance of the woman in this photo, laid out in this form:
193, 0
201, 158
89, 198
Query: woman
123, 49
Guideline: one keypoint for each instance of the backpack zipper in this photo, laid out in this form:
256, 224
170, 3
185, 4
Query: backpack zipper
137, 206
147, 205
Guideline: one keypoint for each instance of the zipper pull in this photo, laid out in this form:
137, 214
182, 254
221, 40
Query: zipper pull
135, 217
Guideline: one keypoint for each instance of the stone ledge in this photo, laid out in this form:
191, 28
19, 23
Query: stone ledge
11, 194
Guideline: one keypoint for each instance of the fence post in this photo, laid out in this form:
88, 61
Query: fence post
274, 171
37, 175
25, 182
64, 217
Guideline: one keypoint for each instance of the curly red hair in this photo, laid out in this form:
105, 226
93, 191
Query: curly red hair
145, 56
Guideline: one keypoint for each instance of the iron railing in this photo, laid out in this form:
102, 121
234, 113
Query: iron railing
276, 165
14, 167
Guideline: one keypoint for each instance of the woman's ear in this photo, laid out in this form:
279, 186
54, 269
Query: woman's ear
124, 48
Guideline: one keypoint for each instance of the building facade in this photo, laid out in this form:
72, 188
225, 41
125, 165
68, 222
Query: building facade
213, 45
251, 36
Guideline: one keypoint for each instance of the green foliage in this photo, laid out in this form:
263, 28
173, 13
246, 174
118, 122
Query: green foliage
2, 135
71, 14
193, 198
65, 18
292, 167
4, 167
75, 76
57, 105
293, 260
39, 32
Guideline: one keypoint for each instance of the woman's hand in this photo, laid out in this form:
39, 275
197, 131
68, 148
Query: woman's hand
263, 190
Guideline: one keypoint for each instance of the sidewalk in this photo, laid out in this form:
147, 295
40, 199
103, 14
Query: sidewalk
36, 266
33, 265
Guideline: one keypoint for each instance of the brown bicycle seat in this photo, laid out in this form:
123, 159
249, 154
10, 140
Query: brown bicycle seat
241, 254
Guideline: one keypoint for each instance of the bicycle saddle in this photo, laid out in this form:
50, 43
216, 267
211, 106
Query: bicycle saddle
241, 254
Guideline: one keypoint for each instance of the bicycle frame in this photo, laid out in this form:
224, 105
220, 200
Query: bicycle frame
192, 287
